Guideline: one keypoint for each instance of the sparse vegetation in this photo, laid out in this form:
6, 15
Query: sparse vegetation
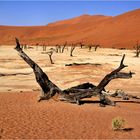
118, 123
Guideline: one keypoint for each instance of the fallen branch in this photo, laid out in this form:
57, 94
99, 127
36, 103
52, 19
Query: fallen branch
121, 94
78, 64
13, 74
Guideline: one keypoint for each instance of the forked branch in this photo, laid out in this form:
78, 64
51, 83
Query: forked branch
113, 75
73, 94
49, 89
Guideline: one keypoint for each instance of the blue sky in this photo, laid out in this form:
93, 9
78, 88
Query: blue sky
28, 13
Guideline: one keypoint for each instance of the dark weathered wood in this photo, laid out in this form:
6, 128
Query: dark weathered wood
113, 75
90, 47
58, 48
64, 46
81, 45
137, 48
44, 47
81, 64
121, 94
76, 93
50, 53
96, 46
97, 90
13, 74
72, 49
49, 89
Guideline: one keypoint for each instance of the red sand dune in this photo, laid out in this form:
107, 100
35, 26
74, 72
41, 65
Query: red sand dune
121, 31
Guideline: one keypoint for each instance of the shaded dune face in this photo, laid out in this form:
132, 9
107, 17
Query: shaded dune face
117, 32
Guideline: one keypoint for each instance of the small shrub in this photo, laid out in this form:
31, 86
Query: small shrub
118, 123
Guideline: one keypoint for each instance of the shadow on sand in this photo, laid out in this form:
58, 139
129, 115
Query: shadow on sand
97, 101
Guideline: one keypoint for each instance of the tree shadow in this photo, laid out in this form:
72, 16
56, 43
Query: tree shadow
128, 129
135, 102
82, 102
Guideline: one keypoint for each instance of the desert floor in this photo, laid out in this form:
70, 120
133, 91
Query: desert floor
21, 116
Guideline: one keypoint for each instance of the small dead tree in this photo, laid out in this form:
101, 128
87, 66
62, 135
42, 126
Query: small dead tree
44, 47
137, 48
72, 49
64, 46
50, 56
90, 47
58, 48
96, 46
76, 93
81, 45
50, 53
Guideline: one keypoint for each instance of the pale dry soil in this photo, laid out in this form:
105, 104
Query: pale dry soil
21, 116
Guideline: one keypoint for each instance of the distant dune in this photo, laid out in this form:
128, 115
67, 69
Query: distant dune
121, 31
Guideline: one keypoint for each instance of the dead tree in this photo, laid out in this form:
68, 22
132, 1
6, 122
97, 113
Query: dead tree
44, 47
58, 48
73, 94
96, 46
50, 56
137, 48
90, 47
81, 45
50, 53
72, 49
64, 46
80, 92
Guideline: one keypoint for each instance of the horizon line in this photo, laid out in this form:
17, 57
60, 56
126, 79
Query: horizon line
68, 19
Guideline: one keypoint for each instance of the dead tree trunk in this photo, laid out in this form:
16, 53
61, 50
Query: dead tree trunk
137, 48
90, 47
50, 55
73, 94
80, 92
64, 47
44, 47
49, 89
58, 48
96, 46
81, 45
72, 49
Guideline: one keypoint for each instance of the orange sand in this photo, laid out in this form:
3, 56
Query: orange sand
21, 116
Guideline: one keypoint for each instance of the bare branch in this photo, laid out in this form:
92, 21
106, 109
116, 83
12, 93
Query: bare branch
49, 89
113, 75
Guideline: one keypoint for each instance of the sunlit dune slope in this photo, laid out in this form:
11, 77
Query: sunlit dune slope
121, 31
